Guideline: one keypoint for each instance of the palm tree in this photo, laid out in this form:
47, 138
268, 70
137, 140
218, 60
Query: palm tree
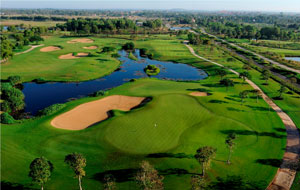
204, 155
230, 143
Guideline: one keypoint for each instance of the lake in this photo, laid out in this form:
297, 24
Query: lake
293, 58
39, 96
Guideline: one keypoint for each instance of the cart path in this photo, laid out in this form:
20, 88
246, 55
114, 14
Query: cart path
285, 175
30, 49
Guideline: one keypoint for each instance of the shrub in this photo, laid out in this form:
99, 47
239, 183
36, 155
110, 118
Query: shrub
128, 46
151, 70
7, 119
115, 55
92, 54
132, 80
98, 93
51, 109
107, 49
40, 80
5, 107
14, 80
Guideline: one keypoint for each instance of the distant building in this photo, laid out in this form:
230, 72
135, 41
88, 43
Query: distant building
139, 23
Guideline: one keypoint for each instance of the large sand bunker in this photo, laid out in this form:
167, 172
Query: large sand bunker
71, 56
90, 47
90, 113
50, 48
199, 94
80, 40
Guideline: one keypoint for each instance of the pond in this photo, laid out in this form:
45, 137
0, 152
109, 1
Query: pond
180, 28
39, 96
293, 58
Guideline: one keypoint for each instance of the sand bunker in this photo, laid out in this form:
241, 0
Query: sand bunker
80, 40
71, 56
50, 48
199, 94
90, 113
90, 47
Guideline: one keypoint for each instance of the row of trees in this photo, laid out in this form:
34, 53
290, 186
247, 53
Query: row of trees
236, 30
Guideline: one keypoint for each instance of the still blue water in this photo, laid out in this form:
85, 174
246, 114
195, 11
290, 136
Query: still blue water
293, 58
39, 96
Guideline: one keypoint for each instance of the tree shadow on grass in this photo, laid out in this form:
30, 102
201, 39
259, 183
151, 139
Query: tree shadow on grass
235, 109
121, 175
235, 183
170, 155
258, 108
174, 171
213, 85
246, 132
218, 102
5, 185
271, 162
199, 90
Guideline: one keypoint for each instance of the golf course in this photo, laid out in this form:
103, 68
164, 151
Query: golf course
161, 121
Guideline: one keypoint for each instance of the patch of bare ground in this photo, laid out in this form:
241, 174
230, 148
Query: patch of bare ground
80, 40
72, 56
90, 47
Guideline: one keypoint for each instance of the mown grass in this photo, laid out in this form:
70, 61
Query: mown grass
47, 65
184, 123
285, 52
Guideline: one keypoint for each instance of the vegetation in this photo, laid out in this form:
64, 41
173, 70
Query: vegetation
151, 70
148, 178
40, 171
230, 143
204, 156
7, 119
77, 163
129, 46
51, 109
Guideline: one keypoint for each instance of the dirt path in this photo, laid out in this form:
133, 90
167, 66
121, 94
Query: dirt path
285, 175
260, 56
30, 49
93, 112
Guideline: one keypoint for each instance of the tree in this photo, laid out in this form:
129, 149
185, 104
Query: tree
283, 89
198, 182
128, 46
245, 75
266, 74
221, 72
77, 163
36, 39
246, 67
243, 95
109, 182
204, 155
40, 171
230, 143
148, 178
226, 82
14, 80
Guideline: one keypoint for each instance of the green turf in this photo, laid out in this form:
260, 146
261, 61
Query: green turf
47, 65
184, 123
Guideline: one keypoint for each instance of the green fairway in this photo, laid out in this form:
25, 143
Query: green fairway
47, 65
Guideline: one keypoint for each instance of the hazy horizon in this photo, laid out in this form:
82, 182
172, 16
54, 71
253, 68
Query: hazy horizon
201, 5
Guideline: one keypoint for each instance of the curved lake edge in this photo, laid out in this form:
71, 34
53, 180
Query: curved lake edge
39, 95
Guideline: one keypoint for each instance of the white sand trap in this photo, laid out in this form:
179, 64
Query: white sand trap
199, 94
90, 47
80, 40
50, 48
93, 112
71, 56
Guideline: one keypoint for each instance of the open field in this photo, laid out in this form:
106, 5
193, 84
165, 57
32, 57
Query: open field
285, 52
31, 23
47, 65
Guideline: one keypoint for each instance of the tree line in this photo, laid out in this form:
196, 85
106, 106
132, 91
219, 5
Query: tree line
97, 26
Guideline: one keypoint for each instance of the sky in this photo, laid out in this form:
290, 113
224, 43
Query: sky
208, 5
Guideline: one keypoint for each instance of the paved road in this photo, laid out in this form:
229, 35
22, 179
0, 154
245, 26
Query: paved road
260, 56
285, 175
